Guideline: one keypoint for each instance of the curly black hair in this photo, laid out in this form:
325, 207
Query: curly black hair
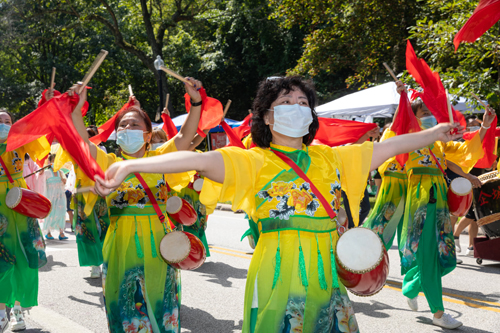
268, 92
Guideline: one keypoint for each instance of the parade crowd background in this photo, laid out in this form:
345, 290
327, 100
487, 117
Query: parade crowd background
230, 46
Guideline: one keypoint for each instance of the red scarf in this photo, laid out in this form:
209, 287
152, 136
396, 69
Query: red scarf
54, 117
168, 126
211, 112
404, 122
486, 14
336, 132
106, 129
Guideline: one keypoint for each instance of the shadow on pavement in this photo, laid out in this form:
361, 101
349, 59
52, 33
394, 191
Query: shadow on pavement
196, 320
94, 282
219, 272
99, 305
484, 268
373, 310
51, 263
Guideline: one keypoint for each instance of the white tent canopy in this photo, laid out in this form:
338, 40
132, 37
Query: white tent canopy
378, 102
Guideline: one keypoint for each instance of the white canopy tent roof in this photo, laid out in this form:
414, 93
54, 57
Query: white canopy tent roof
378, 102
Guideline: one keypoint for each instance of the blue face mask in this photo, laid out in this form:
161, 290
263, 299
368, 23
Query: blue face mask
428, 122
4, 131
130, 141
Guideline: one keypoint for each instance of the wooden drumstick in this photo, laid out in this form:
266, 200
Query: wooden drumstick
479, 100
52, 79
228, 104
95, 66
174, 74
390, 71
158, 113
450, 113
84, 189
131, 93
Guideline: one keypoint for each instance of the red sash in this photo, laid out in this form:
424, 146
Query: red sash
153, 200
302, 175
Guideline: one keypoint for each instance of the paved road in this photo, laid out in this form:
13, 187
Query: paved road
212, 296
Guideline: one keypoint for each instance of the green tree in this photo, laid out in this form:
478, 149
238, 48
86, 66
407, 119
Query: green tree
474, 67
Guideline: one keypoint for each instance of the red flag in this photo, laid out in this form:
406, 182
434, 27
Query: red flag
211, 112
404, 122
486, 14
54, 117
434, 94
244, 129
336, 132
234, 140
168, 126
108, 127
488, 146
42, 101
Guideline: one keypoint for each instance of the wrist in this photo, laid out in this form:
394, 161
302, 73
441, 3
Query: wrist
485, 127
196, 101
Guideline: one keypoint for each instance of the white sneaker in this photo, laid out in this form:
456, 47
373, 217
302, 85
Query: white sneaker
17, 320
459, 261
4, 323
95, 272
412, 303
457, 245
446, 321
469, 252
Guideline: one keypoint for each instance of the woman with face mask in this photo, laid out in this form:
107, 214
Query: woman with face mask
292, 282
427, 245
21, 241
140, 290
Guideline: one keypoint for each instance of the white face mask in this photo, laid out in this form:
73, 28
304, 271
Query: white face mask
292, 120
130, 141
474, 128
154, 146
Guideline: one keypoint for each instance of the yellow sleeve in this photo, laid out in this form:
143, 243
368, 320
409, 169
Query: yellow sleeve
247, 141
355, 162
387, 135
465, 154
240, 176
103, 160
176, 181
37, 149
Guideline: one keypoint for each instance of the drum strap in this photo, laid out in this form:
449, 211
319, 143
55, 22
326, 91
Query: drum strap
437, 162
152, 199
7, 173
302, 175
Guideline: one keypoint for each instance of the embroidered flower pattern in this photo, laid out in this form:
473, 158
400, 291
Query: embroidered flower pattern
290, 199
162, 194
128, 195
17, 162
337, 195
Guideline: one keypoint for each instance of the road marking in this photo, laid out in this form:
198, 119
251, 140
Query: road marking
233, 255
54, 322
461, 302
224, 249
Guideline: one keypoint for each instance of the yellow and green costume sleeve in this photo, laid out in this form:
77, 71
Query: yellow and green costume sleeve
465, 154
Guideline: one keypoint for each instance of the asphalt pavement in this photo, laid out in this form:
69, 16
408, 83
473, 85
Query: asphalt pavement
212, 296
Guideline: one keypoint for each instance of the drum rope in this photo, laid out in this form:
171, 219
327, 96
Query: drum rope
277, 267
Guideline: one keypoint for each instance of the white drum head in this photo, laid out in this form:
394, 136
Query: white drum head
174, 205
175, 247
359, 249
13, 197
461, 186
198, 184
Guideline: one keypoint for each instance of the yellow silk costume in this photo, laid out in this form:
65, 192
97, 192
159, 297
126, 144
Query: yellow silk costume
292, 284
141, 292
